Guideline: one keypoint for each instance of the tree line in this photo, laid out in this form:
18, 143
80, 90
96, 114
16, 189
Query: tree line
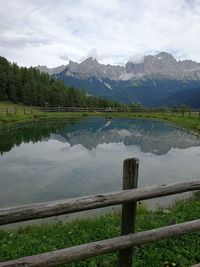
31, 87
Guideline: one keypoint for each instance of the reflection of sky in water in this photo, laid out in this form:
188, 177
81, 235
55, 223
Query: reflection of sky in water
61, 167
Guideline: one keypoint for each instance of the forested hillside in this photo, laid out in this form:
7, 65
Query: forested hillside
190, 98
30, 87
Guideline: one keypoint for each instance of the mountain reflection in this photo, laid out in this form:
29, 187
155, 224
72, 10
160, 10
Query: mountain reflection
150, 135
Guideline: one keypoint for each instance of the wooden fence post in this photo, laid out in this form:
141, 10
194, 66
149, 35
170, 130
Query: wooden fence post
130, 181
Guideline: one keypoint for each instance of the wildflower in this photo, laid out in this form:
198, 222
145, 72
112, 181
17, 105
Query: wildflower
169, 264
166, 264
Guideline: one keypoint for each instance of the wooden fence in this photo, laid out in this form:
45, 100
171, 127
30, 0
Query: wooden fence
16, 111
128, 197
170, 111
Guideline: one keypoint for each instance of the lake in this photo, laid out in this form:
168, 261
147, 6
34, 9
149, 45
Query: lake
60, 159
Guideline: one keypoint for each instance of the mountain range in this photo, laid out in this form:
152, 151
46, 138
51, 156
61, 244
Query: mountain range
154, 81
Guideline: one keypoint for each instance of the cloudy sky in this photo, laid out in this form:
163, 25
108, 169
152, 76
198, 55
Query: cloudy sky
34, 32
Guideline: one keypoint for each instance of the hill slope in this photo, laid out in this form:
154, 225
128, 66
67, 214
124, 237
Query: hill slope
189, 98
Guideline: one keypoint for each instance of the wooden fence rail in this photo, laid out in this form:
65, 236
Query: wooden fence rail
170, 111
66, 206
128, 238
178, 112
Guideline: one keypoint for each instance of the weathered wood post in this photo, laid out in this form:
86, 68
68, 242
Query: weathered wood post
130, 181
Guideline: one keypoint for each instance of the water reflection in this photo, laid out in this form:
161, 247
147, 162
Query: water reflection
152, 136
34, 132
49, 161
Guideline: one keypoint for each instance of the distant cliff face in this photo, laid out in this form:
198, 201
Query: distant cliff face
148, 82
51, 71
165, 65
162, 64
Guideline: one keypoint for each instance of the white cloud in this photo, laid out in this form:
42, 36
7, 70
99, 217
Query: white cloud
43, 32
93, 53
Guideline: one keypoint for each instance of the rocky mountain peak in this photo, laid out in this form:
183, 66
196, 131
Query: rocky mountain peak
51, 71
90, 60
161, 65
88, 63
73, 66
160, 62
91, 67
165, 55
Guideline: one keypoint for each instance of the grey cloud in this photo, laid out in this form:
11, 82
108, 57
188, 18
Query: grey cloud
64, 57
137, 58
19, 42
113, 31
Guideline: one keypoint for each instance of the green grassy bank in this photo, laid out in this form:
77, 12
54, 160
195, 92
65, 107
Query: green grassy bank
183, 250
29, 114
21, 114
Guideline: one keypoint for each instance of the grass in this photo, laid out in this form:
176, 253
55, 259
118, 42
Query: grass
183, 250
192, 123
30, 114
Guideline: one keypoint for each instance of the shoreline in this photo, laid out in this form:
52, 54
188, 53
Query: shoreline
192, 123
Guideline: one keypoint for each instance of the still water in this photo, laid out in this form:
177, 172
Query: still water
50, 161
